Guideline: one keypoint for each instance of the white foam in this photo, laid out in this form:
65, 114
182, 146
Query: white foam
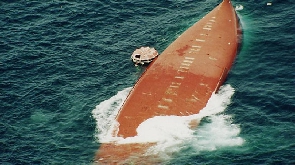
172, 133
219, 132
239, 7
105, 114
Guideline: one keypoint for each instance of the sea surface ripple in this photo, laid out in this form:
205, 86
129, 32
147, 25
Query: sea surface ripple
59, 59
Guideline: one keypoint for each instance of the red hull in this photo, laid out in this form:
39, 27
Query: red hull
181, 80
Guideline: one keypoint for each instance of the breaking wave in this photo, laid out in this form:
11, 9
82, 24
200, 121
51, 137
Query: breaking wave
173, 133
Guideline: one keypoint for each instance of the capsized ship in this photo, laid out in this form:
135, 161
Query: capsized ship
179, 82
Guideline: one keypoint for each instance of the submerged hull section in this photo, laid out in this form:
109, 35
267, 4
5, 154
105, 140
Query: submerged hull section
183, 78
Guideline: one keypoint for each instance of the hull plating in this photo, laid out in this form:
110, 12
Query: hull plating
180, 81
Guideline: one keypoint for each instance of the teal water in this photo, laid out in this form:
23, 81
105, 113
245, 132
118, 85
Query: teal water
60, 59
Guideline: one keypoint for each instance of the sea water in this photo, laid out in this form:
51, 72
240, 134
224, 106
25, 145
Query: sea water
60, 61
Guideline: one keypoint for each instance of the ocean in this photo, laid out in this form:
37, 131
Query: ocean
64, 64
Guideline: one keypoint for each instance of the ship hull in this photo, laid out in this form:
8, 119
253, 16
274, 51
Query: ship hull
180, 81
